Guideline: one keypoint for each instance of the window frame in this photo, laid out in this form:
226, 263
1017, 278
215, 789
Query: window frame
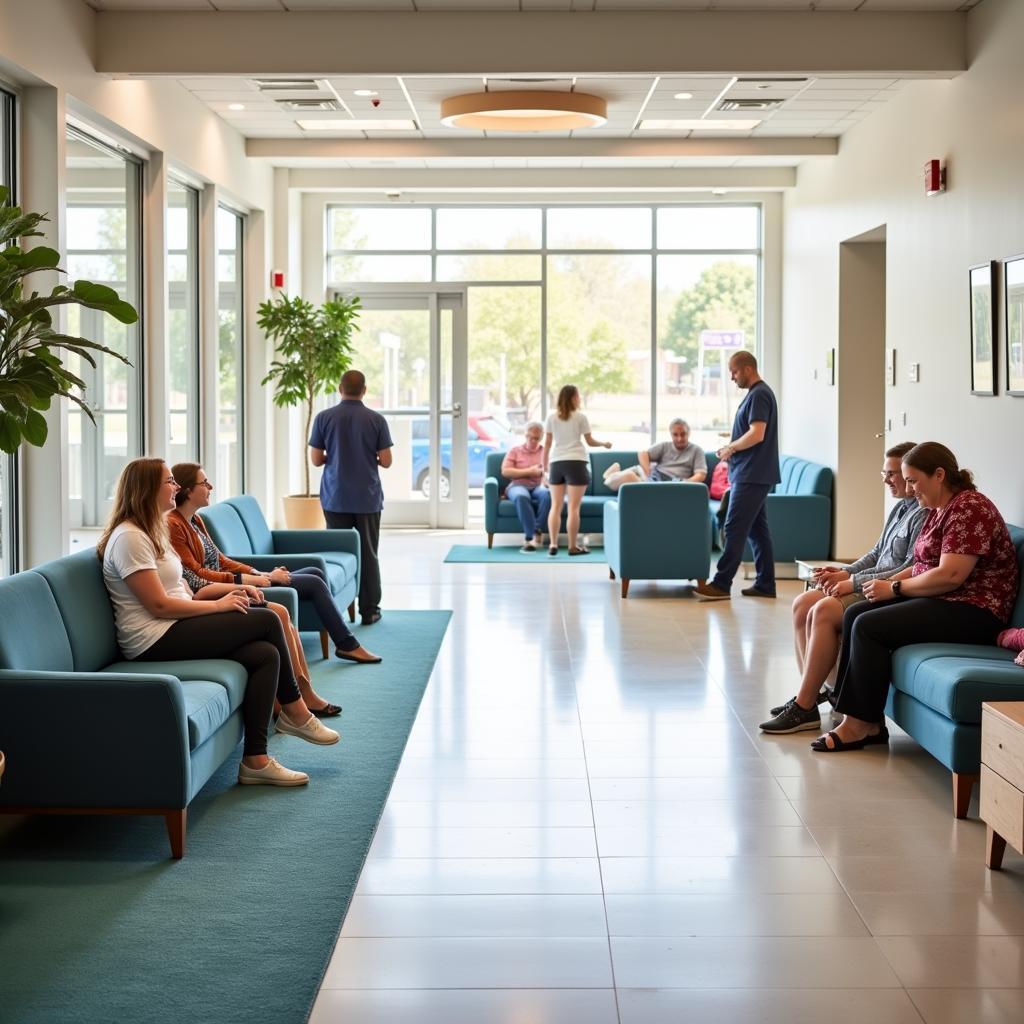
241, 232
10, 525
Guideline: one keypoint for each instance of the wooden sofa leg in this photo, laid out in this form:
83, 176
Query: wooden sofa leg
611, 574
352, 612
490, 541
625, 586
963, 786
995, 847
177, 822
324, 643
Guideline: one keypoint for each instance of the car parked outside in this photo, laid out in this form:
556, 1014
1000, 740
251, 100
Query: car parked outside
484, 433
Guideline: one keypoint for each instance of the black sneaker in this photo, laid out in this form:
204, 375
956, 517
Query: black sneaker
757, 592
793, 718
823, 696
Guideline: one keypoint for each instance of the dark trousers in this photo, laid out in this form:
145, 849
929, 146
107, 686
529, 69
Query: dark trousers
311, 584
747, 518
256, 641
367, 525
871, 632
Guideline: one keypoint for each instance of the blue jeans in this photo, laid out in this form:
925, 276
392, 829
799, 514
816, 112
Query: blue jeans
532, 507
747, 518
311, 584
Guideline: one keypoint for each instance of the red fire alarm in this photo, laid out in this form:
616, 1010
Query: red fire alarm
277, 279
934, 177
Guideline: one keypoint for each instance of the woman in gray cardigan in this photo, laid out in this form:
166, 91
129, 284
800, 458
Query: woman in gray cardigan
818, 613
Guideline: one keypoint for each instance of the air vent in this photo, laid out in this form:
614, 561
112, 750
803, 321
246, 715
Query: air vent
311, 104
761, 103
287, 84
767, 83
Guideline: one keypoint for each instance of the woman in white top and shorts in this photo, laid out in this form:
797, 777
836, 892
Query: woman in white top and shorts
157, 619
568, 465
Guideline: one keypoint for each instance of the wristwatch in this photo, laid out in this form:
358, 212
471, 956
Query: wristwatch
896, 585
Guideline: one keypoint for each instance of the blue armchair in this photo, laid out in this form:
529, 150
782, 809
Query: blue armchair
658, 531
239, 529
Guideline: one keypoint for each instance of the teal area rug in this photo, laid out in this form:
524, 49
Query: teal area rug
97, 924
509, 554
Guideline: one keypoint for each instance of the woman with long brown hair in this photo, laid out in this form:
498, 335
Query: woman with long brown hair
568, 465
157, 619
960, 589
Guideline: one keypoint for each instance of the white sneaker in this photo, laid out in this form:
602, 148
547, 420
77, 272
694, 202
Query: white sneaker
313, 731
272, 773
612, 470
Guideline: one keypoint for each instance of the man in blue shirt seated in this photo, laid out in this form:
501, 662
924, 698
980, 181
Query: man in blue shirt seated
353, 443
753, 457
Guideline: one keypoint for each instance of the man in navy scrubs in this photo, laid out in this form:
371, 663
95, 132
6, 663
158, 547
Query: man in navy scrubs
753, 457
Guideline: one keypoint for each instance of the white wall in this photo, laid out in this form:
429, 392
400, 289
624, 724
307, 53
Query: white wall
976, 124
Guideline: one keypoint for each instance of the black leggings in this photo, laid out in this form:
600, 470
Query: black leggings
256, 640
311, 583
871, 632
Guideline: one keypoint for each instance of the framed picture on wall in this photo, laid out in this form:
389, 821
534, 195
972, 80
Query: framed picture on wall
983, 329
1013, 323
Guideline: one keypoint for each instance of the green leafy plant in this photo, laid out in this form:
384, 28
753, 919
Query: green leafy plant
31, 372
314, 348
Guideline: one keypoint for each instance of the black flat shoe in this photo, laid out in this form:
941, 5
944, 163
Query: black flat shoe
579, 551
822, 747
374, 659
369, 620
327, 711
553, 550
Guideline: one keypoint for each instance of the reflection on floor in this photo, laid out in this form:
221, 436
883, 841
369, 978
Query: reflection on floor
587, 827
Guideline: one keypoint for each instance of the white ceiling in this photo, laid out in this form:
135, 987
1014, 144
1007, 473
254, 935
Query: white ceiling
532, 5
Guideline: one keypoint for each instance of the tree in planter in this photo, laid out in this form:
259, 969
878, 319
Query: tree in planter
31, 373
314, 344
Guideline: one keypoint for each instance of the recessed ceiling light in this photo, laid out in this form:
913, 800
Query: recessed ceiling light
352, 124
524, 111
698, 125
683, 96
365, 92
236, 106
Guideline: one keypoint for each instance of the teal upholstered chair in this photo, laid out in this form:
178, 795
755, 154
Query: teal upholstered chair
658, 531
239, 529
938, 689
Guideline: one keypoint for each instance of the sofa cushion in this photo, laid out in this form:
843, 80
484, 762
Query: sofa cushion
32, 631
348, 565
251, 514
227, 530
954, 679
592, 506
1017, 615
81, 595
802, 477
229, 675
207, 708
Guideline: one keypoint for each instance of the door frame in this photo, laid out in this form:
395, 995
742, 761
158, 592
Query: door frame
437, 299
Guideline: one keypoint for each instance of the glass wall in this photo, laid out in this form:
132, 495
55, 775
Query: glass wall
230, 478
104, 246
640, 306
8, 501
182, 322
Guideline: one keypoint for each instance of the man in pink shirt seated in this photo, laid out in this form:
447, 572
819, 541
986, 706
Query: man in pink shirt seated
523, 466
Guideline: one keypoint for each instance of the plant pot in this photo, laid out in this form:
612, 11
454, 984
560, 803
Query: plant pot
302, 512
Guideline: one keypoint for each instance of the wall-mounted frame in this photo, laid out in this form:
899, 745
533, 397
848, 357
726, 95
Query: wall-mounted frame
890, 367
983, 328
830, 366
1013, 324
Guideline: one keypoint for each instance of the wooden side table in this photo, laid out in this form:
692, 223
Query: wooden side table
1002, 778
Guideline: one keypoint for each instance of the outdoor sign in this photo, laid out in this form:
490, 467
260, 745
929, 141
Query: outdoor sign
723, 339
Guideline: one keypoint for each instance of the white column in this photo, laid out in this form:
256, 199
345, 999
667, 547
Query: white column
208, 328
156, 366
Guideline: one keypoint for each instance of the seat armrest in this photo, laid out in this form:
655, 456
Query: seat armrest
93, 739
265, 563
286, 596
291, 542
491, 495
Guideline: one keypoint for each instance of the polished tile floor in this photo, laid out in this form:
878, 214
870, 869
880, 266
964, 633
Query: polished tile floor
587, 827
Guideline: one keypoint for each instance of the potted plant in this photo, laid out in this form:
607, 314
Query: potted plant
31, 373
314, 349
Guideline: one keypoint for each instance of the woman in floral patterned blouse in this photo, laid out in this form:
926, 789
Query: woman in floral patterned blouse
960, 589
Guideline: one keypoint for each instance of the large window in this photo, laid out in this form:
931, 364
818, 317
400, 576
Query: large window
230, 477
104, 246
8, 499
182, 322
640, 306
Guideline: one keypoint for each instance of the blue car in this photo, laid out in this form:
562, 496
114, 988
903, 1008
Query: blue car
478, 449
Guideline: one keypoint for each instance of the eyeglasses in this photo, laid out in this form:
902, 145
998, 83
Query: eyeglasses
204, 483
887, 473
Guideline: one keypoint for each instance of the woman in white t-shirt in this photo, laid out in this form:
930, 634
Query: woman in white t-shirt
157, 619
568, 465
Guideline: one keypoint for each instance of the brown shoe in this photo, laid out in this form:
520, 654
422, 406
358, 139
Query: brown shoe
709, 592
361, 656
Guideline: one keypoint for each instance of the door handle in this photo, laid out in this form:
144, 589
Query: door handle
456, 408
880, 435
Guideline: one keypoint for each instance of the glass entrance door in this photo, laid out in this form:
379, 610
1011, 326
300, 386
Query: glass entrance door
411, 344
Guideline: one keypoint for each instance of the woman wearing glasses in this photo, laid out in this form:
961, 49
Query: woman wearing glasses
159, 619
201, 557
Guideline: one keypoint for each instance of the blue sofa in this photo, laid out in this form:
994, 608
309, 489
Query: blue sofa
657, 532
938, 689
116, 736
799, 510
239, 529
